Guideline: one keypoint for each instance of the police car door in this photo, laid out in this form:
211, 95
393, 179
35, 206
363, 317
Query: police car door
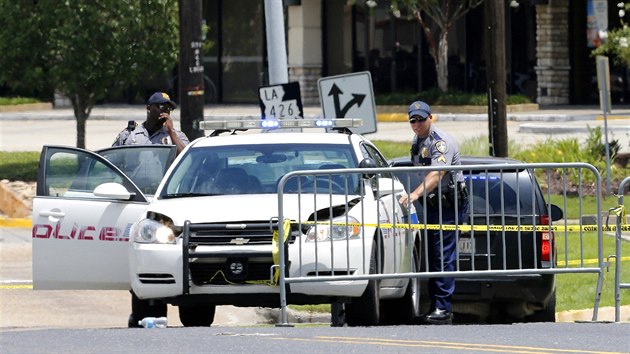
82, 213
397, 242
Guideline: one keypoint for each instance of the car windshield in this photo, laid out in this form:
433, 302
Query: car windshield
256, 169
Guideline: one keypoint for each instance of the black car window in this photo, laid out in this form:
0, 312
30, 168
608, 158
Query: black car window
507, 192
371, 152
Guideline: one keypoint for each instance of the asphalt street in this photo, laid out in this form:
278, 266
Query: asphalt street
30, 130
23, 308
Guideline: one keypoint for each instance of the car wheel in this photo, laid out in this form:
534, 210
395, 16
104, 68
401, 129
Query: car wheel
405, 310
197, 315
337, 314
548, 314
365, 310
144, 308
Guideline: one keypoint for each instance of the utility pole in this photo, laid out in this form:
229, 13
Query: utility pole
496, 77
276, 44
191, 90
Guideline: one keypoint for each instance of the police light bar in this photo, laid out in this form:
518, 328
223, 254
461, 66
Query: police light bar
270, 124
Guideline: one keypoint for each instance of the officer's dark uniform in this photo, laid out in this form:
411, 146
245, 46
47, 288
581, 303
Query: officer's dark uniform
440, 149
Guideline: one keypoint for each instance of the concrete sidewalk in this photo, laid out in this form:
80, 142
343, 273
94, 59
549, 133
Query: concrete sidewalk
127, 112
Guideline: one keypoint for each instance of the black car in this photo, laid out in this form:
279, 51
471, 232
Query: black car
500, 298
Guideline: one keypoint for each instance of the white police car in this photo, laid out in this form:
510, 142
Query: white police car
204, 236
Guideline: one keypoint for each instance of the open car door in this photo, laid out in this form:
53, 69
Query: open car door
83, 211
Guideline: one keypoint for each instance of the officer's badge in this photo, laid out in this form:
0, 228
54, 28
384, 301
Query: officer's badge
441, 146
424, 152
442, 159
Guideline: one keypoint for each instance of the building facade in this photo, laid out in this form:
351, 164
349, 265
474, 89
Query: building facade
547, 49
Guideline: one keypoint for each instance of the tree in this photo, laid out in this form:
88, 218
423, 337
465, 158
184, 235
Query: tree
444, 14
617, 41
84, 48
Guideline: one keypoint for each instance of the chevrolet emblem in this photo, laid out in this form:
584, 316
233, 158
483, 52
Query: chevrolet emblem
239, 241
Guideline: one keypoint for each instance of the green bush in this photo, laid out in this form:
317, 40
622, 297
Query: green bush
450, 98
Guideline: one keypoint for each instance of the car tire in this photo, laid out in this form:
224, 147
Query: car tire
337, 314
197, 315
144, 308
405, 310
365, 310
548, 314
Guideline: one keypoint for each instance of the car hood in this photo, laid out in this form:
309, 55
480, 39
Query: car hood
247, 207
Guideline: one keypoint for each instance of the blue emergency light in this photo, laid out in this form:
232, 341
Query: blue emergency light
268, 124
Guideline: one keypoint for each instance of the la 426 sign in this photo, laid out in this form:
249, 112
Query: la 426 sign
281, 101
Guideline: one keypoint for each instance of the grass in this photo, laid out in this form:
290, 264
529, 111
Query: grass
5, 101
436, 97
577, 291
589, 205
19, 166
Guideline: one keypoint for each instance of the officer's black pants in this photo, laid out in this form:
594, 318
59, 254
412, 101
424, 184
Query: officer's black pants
442, 253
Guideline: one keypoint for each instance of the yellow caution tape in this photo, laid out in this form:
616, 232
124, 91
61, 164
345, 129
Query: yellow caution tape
275, 244
498, 228
619, 211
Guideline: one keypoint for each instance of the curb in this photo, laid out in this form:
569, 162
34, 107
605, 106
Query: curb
15, 222
42, 106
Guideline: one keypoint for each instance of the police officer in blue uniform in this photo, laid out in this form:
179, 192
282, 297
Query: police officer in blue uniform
446, 204
157, 128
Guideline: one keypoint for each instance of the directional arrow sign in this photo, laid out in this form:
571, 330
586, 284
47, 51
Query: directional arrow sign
349, 96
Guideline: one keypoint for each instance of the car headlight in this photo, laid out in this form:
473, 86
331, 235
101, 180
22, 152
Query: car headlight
338, 231
151, 231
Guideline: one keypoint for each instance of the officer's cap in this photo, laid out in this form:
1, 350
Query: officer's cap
419, 108
161, 97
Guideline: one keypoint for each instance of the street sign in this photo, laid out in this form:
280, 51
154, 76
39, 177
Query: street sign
349, 96
281, 101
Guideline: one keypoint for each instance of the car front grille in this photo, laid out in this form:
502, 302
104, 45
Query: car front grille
212, 266
245, 233
221, 273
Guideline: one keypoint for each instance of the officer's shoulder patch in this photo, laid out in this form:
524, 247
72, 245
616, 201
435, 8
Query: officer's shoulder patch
441, 146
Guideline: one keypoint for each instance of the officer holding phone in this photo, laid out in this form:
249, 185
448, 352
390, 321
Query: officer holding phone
157, 128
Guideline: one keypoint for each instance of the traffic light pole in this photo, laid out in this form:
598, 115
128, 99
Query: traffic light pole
191, 90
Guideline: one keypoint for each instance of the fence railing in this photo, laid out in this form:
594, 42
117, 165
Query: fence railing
507, 230
620, 213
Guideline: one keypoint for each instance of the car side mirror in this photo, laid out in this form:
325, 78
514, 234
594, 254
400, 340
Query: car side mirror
556, 213
112, 190
367, 163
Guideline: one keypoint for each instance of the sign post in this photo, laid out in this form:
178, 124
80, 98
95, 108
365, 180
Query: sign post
349, 96
603, 84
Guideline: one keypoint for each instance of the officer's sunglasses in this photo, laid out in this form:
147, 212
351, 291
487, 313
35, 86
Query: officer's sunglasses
165, 108
414, 120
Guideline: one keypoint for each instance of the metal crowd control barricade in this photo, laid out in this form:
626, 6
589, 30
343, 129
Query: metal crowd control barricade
621, 215
569, 237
